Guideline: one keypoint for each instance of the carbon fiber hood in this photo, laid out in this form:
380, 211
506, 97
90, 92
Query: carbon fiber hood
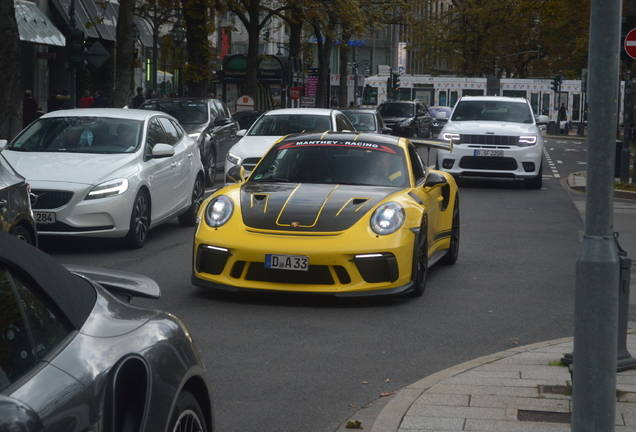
308, 207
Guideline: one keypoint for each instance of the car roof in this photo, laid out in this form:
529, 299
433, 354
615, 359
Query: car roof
360, 109
73, 296
304, 111
495, 98
120, 113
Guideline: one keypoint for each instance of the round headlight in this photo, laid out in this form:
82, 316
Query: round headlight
387, 218
219, 211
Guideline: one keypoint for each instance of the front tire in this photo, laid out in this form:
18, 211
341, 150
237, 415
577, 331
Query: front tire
139, 221
210, 168
187, 415
453, 250
189, 218
420, 267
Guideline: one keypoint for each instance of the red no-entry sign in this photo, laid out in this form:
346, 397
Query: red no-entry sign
630, 44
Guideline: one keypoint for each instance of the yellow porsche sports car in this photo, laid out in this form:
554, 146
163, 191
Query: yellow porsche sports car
346, 214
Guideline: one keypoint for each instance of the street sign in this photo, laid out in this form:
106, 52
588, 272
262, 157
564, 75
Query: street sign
97, 54
630, 44
294, 93
245, 103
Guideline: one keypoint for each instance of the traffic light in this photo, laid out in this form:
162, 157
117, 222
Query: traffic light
77, 49
396, 81
556, 84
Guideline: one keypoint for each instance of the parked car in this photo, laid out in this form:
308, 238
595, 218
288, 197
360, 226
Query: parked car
493, 136
407, 118
76, 355
440, 115
208, 121
16, 215
366, 120
275, 124
108, 172
246, 119
343, 214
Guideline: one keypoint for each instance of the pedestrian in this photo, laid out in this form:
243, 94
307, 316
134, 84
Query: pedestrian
100, 100
351, 104
52, 104
150, 94
29, 108
334, 102
64, 99
563, 117
87, 100
139, 99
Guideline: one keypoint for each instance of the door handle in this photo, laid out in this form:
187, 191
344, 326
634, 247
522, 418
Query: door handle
174, 165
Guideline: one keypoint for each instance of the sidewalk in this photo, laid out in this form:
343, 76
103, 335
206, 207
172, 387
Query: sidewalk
524, 389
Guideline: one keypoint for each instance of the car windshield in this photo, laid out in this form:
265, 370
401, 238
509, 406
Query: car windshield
500, 111
397, 110
362, 121
80, 135
185, 112
285, 124
334, 162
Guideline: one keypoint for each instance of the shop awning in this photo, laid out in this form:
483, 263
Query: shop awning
35, 27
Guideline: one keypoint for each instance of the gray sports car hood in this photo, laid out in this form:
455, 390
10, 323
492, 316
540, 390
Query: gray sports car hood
308, 207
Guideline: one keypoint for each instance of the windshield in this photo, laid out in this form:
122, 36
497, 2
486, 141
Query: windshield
335, 162
501, 111
281, 125
397, 110
362, 121
80, 135
185, 112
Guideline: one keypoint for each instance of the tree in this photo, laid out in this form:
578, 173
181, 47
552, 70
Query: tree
125, 53
199, 22
11, 89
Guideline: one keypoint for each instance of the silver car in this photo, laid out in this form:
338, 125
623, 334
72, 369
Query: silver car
108, 172
76, 356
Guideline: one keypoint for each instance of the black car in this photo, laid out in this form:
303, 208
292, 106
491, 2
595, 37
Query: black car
366, 120
439, 120
209, 121
76, 355
16, 215
246, 119
407, 118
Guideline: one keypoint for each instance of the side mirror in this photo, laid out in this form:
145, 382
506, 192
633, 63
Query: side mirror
435, 179
543, 119
241, 133
162, 151
236, 174
3, 144
220, 121
441, 115
386, 130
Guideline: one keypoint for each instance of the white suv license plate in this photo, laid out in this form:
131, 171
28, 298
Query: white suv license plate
495, 153
44, 217
287, 262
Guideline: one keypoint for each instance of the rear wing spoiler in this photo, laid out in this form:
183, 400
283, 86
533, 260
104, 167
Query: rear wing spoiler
430, 143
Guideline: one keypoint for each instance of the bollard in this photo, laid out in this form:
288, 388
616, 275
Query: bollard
624, 358
580, 129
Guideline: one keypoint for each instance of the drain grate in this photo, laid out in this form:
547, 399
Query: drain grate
544, 416
557, 389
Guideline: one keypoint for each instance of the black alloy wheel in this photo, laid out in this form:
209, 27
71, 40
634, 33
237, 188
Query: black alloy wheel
209, 165
139, 221
189, 218
187, 416
453, 250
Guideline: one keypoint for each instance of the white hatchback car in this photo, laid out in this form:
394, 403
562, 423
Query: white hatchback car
108, 172
493, 136
275, 124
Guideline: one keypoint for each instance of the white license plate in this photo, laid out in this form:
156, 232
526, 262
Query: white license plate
495, 153
44, 218
287, 262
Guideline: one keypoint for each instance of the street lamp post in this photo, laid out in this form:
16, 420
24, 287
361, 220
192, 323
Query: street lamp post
178, 35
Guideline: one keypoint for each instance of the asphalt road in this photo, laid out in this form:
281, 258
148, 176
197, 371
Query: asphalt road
306, 363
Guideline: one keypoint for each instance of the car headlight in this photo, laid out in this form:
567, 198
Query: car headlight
219, 211
388, 218
525, 141
447, 136
109, 188
233, 159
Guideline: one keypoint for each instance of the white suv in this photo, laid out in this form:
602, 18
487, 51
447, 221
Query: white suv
493, 136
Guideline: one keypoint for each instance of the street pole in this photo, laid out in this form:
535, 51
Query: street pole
155, 49
627, 109
72, 87
598, 267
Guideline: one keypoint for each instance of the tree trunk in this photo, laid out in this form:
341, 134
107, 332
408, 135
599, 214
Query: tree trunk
324, 54
11, 88
344, 59
125, 54
253, 30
